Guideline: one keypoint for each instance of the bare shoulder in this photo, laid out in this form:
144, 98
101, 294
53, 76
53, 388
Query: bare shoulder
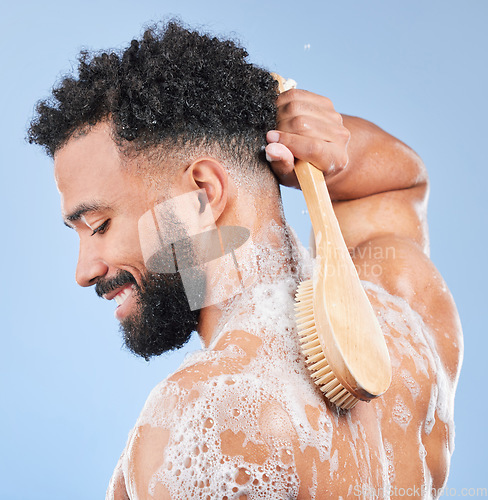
424, 338
200, 433
232, 422
402, 268
116, 489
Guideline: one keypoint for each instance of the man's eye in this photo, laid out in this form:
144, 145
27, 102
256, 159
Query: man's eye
101, 228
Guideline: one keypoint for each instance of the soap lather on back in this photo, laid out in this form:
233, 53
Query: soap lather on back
243, 419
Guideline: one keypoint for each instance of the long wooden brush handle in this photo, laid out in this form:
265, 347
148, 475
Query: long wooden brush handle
320, 209
352, 340
348, 331
327, 232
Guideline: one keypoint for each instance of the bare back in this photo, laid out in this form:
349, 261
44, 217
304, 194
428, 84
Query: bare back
243, 419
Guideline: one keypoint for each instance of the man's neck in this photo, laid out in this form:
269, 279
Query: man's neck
273, 255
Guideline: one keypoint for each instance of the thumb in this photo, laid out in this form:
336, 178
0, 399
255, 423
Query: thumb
282, 162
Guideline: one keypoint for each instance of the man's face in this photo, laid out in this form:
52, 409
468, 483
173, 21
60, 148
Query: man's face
103, 200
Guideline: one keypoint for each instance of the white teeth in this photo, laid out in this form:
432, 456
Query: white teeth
121, 297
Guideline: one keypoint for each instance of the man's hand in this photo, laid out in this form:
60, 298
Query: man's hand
309, 129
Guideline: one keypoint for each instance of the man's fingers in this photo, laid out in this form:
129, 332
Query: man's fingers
330, 157
326, 128
299, 101
281, 157
283, 163
309, 129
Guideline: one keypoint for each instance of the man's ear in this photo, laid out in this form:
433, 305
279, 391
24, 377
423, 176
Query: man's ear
209, 174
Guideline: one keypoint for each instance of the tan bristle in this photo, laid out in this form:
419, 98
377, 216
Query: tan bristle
350, 402
316, 357
306, 292
354, 401
340, 395
336, 390
330, 386
308, 331
321, 372
307, 338
325, 379
306, 308
304, 318
312, 351
320, 364
313, 343
303, 313
306, 324
305, 305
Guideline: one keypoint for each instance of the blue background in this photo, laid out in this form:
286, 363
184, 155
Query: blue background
69, 393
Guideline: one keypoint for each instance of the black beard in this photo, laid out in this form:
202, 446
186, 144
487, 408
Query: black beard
163, 320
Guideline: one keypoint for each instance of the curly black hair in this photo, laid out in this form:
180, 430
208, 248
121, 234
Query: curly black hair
174, 87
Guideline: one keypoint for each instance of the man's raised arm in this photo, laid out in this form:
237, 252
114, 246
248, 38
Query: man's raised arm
378, 184
379, 187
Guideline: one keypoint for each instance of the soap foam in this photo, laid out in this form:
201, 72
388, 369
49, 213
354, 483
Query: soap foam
401, 414
265, 401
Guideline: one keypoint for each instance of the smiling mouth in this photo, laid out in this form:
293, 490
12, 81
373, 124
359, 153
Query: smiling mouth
121, 297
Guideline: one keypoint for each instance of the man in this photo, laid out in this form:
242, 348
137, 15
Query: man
167, 141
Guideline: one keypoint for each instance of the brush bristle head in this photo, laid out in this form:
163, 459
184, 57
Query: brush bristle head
321, 372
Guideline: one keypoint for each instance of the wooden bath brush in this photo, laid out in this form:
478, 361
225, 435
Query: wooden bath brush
340, 336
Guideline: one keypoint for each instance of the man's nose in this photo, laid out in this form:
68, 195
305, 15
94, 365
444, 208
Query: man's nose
90, 267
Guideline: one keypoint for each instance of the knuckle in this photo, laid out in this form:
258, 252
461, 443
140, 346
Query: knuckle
315, 150
345, 134
294, 107
327, 102
296, 93
279, 122
300, 124
337, 117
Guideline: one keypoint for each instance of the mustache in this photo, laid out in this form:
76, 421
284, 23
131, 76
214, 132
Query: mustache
122, 278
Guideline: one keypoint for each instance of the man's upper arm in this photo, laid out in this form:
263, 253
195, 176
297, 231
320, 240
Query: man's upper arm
387, 236
402, 269
388, 241
400, 214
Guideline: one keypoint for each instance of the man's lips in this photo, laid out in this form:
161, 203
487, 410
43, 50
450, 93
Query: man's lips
119, 294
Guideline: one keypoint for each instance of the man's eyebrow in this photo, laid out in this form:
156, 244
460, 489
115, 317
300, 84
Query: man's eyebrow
81, 210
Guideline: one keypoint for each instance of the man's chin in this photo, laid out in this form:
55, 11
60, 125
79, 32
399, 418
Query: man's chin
147, 337
156, 317
132, 338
